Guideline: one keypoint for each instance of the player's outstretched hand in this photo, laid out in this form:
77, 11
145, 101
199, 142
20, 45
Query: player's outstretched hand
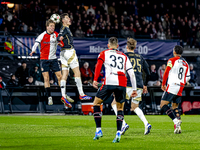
31, 54
163, 87
95, 84
145, 91
134, 94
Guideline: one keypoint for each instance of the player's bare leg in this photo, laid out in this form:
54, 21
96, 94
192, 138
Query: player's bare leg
120, 118
177, 114
140, 114
97, 117
47, 87
125, 126
79, 85
59, 76
65, 72
164, 107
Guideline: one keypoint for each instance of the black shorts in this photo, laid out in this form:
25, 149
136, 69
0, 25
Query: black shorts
105, 91
171, 97
47, 65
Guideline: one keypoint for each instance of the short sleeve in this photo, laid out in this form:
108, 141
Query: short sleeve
39, 38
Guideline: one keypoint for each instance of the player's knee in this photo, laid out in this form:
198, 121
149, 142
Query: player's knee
77, 74
134, 106
46, 79
59, 77
97, 102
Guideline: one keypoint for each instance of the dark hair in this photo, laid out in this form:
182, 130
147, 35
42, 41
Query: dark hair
63, 16
113, 41
178, 49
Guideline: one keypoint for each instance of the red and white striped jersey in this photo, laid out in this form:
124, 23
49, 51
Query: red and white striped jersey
178, 73
48, 43
116, 64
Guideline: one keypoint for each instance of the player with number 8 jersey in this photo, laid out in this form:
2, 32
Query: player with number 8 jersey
177, 72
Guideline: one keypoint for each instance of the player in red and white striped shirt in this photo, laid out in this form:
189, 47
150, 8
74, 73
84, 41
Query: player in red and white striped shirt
116, 65
178, 73
48, 59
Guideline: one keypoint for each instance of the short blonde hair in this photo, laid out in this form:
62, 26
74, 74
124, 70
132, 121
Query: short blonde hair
49, 21
131, 43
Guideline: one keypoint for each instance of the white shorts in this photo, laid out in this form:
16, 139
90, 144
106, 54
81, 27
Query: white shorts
69, 59
136, 99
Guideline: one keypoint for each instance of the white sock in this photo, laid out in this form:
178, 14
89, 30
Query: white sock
115, 110
140, 114
63, 87
98, 129
79, 85
175, 121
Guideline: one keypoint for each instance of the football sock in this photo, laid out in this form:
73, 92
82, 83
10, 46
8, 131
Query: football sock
120, 118
98, 129
115, 110
97, 116
175, 120
48, 91
63, 87
177, 113
169, 112
79, 86
140, 114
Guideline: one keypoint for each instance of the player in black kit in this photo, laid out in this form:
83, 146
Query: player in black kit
69, 59
139, 65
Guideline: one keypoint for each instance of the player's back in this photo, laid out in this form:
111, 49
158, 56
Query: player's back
179, 71
115, 63
137, 62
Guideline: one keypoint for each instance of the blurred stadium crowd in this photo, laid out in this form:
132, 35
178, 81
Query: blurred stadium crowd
148, 20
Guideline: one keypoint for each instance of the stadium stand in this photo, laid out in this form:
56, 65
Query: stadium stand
140, 19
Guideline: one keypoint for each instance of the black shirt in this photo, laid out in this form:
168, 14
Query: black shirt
139, 65
68, 37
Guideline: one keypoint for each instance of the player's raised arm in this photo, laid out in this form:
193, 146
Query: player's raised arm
61, 34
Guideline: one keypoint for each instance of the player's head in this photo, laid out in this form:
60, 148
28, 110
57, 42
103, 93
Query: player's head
50, 25
113, 42
178, 50
131, 44
65, 19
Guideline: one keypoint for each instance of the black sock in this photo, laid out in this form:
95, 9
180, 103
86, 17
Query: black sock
169, 112
97, 116
48, 91
120, 118
177, 113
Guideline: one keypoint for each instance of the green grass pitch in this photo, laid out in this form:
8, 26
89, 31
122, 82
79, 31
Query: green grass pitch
77, 132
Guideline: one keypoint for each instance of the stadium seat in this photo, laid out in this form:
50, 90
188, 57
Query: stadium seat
186, 106
196, 105
87, 108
